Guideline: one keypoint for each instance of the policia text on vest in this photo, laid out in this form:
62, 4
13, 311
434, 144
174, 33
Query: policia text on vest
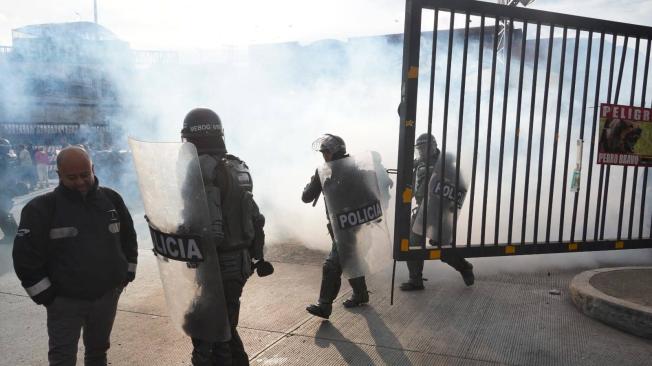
360, 216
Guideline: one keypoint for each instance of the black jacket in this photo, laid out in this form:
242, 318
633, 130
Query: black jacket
313, 188
75, 246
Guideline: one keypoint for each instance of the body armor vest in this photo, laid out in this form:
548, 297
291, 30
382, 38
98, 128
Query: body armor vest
228, 186
420, 177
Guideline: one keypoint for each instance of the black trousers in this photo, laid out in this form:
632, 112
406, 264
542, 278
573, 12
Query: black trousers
331, 279
66, 317
452, 258
231, 352
235, 268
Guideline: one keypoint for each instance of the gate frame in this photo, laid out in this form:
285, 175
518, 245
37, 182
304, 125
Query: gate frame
407, 112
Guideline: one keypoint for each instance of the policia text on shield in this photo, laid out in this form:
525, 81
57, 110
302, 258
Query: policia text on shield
210, 247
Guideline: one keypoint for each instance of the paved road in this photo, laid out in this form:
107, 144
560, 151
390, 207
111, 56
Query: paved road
510, 317
519, 312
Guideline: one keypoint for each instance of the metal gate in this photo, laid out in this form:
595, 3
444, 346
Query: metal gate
512, 95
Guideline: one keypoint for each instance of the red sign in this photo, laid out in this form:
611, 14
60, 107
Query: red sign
625, 135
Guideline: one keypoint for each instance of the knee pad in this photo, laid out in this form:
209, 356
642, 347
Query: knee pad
330, 268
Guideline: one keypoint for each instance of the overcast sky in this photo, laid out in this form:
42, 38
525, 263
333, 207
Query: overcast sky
207, 24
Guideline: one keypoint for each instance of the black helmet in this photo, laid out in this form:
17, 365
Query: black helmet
421, 146
203, 128
331, 143
423, 140
201, 122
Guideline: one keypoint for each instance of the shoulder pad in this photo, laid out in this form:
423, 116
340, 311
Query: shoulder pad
237, 159
232, 157
208, 164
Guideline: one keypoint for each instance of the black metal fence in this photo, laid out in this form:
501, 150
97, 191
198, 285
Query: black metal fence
512, 96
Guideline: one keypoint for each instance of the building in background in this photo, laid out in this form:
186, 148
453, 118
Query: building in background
61, 84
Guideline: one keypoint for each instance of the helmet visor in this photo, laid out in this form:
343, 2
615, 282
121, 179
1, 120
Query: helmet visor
318, 144
328, 143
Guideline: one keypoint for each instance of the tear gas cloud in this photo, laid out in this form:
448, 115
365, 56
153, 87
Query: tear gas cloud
272, 107
275, 99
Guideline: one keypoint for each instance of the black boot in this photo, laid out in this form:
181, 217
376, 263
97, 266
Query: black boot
467, 274
464, 267
201, 353
416, 276
330, 287
320, 310
413, 284
360, 294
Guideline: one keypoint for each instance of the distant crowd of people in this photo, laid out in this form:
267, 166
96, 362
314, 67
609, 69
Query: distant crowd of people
26, 168
34, 165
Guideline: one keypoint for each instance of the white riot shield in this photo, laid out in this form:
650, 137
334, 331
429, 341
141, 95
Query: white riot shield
444, 198
171, 185
353, 202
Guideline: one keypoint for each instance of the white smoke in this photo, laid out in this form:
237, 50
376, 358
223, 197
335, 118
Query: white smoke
275, 100
274, 105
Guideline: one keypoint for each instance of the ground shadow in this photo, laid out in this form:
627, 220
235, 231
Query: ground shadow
388, 345
327, 334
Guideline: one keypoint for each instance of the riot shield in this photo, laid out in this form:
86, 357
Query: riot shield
353, 202
443, 200
171, 186
385, 183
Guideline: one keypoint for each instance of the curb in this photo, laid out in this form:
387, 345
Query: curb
622, 314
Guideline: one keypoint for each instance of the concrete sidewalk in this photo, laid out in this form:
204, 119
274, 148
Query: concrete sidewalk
509, 317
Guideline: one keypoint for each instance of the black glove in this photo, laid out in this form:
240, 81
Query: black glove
46, 297
263, 268
130, 277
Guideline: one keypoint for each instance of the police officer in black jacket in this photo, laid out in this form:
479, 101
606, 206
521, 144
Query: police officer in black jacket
235, 216
424, 167
75, 251
333, 148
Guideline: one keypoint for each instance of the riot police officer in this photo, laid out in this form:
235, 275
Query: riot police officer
333, 149
233, 211
428, 167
